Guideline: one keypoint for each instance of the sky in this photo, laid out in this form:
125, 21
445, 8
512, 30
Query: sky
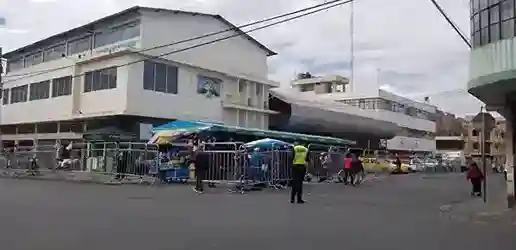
405, 46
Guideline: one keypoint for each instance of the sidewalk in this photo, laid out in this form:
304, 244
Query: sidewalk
478, 212
475, 210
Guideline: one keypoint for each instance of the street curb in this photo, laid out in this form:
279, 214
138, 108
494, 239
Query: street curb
59, 179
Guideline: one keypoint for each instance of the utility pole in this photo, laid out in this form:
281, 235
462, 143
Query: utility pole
483, 152
352, 45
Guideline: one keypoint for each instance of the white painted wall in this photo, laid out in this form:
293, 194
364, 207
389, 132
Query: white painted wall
235, 56
187, 104
96, 103
233, 59
411, 144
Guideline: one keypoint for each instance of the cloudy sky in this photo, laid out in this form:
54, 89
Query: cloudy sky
404, 46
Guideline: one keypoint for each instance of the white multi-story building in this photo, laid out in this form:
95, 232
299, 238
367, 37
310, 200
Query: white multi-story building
108, 73
416, 121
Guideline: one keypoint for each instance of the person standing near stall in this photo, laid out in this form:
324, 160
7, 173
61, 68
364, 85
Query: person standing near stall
299, 164
197, 158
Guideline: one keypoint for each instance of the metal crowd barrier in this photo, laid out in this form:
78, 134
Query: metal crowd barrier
246, 169
112, 160
229, 163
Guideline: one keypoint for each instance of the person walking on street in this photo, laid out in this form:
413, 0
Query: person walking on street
397, 162
348, 170
299, 164
357, 170
475, 176
325, 160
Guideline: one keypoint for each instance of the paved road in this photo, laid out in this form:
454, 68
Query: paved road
401, 212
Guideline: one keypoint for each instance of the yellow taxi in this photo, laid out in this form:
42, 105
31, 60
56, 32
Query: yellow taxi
375, 165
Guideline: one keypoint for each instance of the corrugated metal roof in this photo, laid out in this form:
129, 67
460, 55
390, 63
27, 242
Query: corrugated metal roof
90, 25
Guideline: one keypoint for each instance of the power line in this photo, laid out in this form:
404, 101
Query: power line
326, 5
451, 23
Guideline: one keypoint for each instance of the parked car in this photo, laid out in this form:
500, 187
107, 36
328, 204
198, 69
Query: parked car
416, 165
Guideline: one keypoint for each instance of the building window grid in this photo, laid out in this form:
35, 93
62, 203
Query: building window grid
492, 21
39, 90
375, 103
72, 46
160, 77
100, 79
5, 96
19, 94
55, 52
62, 86
116, 34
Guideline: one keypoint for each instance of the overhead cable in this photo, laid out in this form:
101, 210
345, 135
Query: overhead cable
305, 12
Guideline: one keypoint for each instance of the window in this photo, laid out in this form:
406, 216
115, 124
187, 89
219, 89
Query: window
19, 94
34, 59
507, 9
100, 79
80, 45
494, 14
507, 29
494, 34
117, 34
476, 39
306, 87
62, 86
484, 36
5, 96
483, 4
39, 90
15, 64
242, 86
491, 21
484, 18
55, 52
474, 6
338, 87
160, 77
209, 86
476, 145
259, 87
476, 22
474, 132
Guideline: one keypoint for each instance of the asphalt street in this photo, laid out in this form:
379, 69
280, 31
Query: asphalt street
398, 212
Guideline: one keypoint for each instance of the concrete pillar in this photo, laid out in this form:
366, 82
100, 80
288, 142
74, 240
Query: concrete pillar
509, 157
76, 91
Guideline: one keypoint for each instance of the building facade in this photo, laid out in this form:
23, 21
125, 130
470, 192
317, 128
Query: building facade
110, 73
416, 120
450, 133
493, 68
415, 123
494, 145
